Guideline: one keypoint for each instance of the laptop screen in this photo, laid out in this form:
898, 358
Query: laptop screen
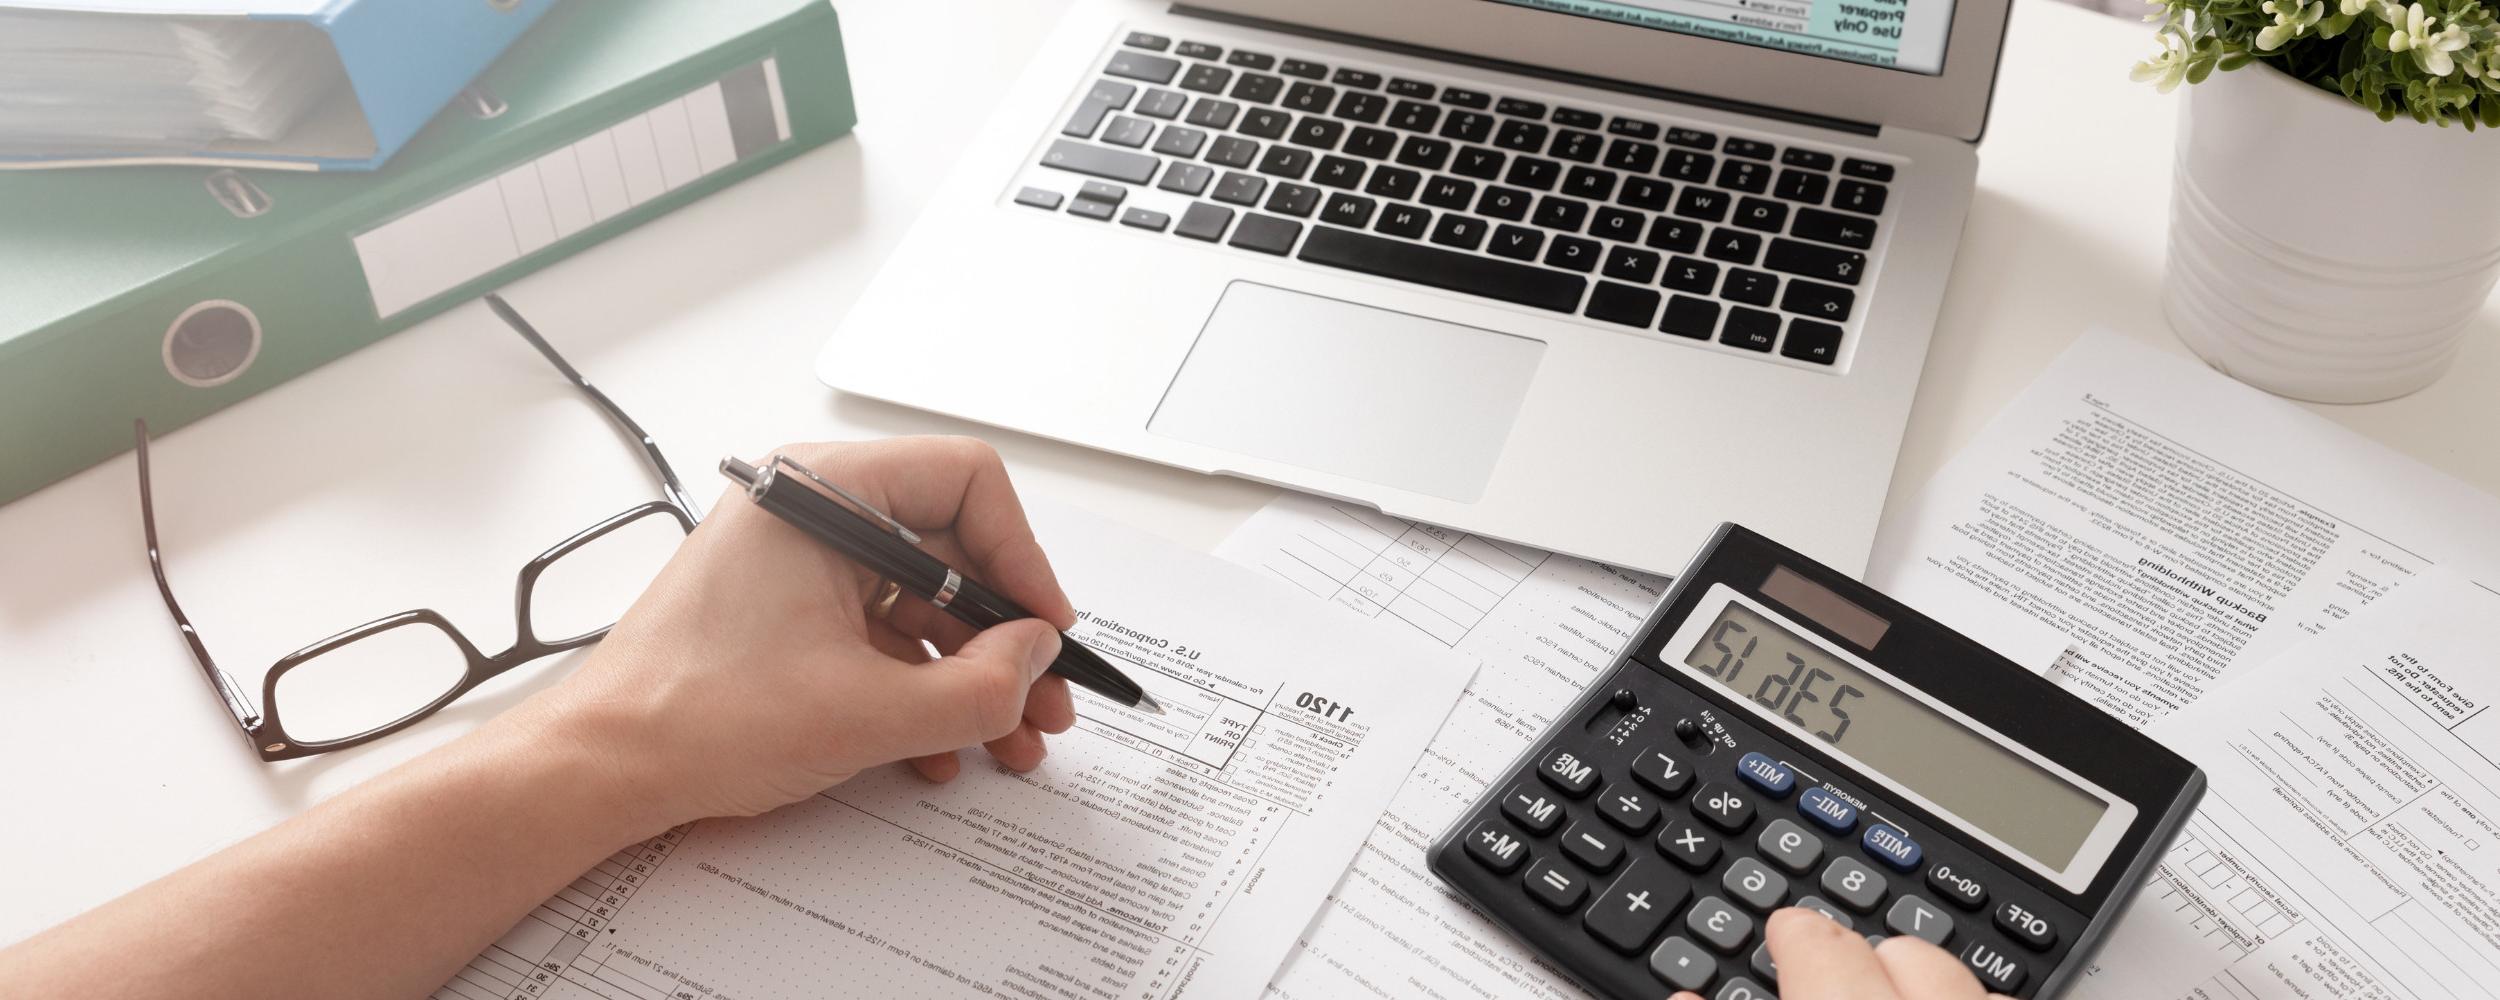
1898, 34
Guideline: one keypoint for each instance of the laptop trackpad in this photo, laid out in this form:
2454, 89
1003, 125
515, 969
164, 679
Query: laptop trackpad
1387, 397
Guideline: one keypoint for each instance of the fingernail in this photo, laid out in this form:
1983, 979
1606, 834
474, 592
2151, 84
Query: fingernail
1045, 649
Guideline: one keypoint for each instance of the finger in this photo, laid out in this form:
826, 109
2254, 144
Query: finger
896, 644
960, 487
1021, 749
1922, 970
1820, 960
1686, 995
938, 767
977, 694
1049, 707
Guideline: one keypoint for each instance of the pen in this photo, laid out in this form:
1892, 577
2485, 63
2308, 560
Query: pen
856, 529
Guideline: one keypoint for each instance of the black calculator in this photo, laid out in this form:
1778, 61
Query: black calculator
1779, 734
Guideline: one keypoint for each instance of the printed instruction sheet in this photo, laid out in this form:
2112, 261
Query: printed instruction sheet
1148, 858
2174, 525
1541, 626
2350, 844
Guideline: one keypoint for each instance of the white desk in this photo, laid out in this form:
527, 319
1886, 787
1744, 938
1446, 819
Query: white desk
423, 471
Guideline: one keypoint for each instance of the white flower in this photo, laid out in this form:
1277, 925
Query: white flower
2431, 50
2166, 69
2291, 18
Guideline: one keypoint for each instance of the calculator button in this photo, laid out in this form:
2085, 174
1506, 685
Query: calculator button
1957, 888
1892, 845
1754, 885
1762, 965
1723, 806
1682, 965
1920, 919
1771, 776
1530, 807
1790, 846
1629, 806
1559, 888
1824, 906
1666, 772
1631, 910
2031, 929
1495, 847
1741, 988
1594, 847
1829, 811
1719, 924
1688, 845
1568, 773
1998, 971
1856, 886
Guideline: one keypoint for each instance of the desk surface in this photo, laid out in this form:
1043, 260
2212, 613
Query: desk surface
292, 515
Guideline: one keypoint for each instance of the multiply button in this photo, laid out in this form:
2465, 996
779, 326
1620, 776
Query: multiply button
1723, 807
1629, 806
2032, 929
1631, 910
1771, 776
1829, 811
1892, 845
1956, 887
1688, 845
1568, 773
1997, 971
1494, 847
1527, 806
1666, 772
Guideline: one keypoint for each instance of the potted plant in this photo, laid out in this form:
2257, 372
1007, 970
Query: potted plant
2335, 214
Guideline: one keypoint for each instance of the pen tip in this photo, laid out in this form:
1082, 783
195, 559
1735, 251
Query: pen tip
1147, 703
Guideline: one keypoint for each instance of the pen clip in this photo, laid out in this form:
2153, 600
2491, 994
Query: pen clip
848, 497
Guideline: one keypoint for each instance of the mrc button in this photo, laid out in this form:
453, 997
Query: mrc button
1891, 845
1771, 776
2032, 929
1829, 811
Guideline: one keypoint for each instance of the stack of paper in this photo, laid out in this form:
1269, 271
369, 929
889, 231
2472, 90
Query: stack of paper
75, 83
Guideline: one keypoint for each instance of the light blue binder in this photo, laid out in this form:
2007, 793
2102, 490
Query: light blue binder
405, 60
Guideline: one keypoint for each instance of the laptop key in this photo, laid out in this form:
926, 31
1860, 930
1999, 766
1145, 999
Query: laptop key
1632, 155
1356, 78
1187, 178
1573, 253
1686, 274
1811, 341
1732, 245
1414, 116
1577, 118
1140, 66
1646, 193
1833, 227
1310, 98
1293, 199
1258, 88
1200, 50
1478, 162
1206, 79
1142, 40
1801, 185
1251, 60
1459, 231
1517, 108
1099, 191
1690, 317
1703, 204
1514, 242
1240, 188
1422, 264
1404, 220
1087, 117
1821, 301
1859, 196
1632, 264
1088, 208
1266, 234
1412, 88
1531, 172
1688, 166
1625, 304
1266, 123
1038, 198
1338, 172
1362, 107
1286, 161
1140, 218
1232, 151
1818, 262
1525, 137
1394, 182
1476, 99
1693, 138
1752, 288
1372, 143
1553, 212
1425, 152
1806, 158
1302, 69
1761, 214
1674, 235
1618, 224
1751, 329
1448, 192
1750, 149
1745, 175
1127, 131
1317, 132
1578, 146
1467, 126
1095, 161
1504, 203
1348, 210
1590, 183
1868, 170
1212, 113
1164, 104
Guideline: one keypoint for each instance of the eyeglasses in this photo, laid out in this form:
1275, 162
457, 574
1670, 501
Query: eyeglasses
387, 674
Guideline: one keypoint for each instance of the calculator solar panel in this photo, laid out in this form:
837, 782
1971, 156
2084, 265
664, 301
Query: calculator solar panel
1781, 735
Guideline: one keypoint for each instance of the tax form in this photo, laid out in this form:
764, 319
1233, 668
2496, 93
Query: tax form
1148, 858
2349, 845
1542, 626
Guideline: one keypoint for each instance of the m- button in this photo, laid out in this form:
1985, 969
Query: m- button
1568, 773
1528, 806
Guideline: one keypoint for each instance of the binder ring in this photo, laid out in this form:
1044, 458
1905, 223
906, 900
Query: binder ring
211, 343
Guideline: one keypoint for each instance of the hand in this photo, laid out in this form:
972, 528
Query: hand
1820, 960
750, 675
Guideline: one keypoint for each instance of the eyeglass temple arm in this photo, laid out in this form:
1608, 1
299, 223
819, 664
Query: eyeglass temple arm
236, 704
650, 449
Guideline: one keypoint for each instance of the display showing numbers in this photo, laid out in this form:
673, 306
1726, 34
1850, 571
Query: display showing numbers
1323, 707
1791, 688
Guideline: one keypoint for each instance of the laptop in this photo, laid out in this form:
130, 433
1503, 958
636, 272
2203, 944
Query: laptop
1583, 275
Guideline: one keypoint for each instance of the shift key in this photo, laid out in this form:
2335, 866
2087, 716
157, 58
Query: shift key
1815, 261
1095, 161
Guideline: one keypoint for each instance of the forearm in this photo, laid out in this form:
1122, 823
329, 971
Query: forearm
383, 891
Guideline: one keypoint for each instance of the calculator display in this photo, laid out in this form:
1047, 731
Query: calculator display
1877, 725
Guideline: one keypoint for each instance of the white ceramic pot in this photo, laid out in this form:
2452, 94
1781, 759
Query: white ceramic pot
2319, 253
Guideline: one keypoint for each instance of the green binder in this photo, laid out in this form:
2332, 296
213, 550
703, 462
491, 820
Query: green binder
169, 292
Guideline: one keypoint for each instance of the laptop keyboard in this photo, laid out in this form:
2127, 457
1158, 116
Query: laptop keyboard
1750, 244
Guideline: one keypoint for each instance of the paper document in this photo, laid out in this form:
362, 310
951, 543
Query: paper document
1542, 626
1148, 858
2174, 525
2350, 844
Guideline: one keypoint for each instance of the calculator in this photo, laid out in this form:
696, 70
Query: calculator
1779, 734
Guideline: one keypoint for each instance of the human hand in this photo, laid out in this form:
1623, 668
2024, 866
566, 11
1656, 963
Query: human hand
1820, 960
750, 674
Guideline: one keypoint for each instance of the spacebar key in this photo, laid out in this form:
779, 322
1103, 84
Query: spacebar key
1457, 272
1095, 161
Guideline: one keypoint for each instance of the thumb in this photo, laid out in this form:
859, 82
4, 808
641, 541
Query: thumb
977, 695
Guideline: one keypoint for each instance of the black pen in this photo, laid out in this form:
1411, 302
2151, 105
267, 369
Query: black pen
860, 531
